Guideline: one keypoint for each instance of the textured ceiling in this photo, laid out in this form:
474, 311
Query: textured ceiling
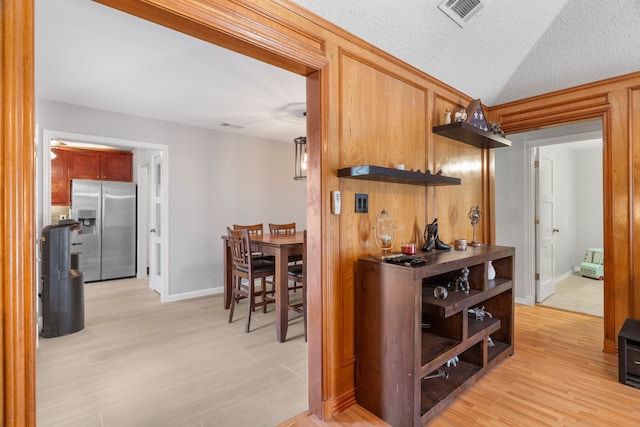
511, 49
90, 55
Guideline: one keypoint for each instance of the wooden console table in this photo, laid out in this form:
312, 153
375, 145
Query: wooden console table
404, 333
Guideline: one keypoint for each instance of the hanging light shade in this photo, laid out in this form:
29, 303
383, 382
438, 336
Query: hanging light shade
300, 166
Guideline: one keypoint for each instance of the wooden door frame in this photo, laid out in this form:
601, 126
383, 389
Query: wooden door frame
17, 228
17, 163
558, 117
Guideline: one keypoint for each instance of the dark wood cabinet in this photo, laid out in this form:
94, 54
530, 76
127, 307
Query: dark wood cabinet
629, 353
72, 163
60, 195
404, 333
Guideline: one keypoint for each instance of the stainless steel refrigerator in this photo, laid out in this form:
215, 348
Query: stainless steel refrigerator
106, 239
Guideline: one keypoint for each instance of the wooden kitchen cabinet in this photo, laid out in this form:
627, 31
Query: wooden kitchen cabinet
117, 166
72, 163
84, 165
106, 166
406, 337
60, 195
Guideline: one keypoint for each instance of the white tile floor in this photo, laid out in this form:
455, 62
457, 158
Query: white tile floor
138, 362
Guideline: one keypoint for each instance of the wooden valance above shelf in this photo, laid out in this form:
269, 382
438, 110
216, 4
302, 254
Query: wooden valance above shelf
378, 173
469, 134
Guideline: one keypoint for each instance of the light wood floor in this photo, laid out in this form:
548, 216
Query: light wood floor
142, 363
558, 376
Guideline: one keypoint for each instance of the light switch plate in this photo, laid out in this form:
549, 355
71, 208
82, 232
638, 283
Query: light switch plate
362, 203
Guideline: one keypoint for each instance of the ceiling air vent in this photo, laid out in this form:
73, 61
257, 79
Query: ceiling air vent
461, 11
230, 125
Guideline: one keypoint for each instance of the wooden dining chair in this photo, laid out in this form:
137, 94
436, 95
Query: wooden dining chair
245, 270
298, 274
255, 230
289, 228
280, 229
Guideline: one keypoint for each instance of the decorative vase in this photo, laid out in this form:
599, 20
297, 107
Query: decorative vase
491, 271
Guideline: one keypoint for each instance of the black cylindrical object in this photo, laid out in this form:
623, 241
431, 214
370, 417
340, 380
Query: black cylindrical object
62, 284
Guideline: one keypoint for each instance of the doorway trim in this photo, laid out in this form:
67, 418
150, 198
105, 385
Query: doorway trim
48, 135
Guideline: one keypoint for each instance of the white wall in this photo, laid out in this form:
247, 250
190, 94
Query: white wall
589, 202
215, 179
511, 179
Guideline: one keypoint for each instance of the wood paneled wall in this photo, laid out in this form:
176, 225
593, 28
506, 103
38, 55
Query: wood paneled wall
617, 102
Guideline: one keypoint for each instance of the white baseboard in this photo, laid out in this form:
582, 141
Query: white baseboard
195, 294
565, 275
524, 301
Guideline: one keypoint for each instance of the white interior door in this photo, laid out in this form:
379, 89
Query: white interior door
156, 249
144, 172
545, 230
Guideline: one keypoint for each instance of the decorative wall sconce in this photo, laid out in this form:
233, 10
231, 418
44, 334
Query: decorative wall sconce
301, 158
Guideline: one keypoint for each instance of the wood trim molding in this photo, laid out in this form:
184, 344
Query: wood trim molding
615, 101
633, 107
17, 324
555, 113
340, 404
238, 25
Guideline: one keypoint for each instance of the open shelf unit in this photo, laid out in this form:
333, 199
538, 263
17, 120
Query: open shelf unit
404, 333
378, 173
469, 134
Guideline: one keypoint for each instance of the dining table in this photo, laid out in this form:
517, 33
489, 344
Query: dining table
281, 246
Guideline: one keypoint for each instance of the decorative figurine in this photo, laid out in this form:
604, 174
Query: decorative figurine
474, 216
462, 281
447, 116
440, 292
496, 129
453, 361
440, 374
431, 239
480, 313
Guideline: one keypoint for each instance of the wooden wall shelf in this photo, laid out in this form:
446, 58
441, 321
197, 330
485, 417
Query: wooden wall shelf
469, 134
378, 173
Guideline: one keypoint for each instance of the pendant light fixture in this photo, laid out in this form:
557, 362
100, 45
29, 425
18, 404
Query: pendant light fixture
300, 166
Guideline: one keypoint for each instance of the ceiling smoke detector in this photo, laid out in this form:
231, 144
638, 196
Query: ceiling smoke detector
461, 11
